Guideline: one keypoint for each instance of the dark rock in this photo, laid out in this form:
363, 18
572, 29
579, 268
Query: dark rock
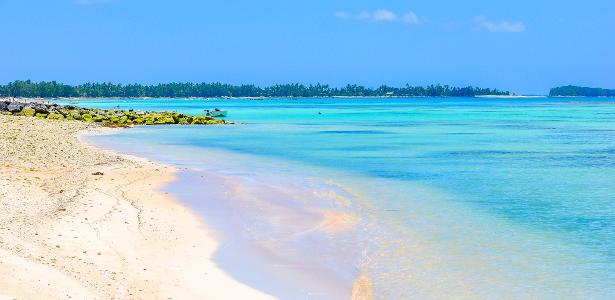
98, 173
41, 108
15, 107
3, 106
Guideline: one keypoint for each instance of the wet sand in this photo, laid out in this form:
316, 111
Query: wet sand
292, 236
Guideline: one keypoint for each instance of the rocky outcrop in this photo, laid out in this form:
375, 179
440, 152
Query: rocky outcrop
107, 117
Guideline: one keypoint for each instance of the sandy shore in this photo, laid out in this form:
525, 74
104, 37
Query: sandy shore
66, 233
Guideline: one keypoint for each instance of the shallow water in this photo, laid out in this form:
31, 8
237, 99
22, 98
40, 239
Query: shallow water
457, 198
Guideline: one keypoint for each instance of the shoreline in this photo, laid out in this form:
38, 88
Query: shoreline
65, 232
278, 262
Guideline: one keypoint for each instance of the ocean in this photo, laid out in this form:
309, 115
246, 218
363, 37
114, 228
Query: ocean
431, 198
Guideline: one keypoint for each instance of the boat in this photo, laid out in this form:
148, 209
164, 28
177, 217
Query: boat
216, 113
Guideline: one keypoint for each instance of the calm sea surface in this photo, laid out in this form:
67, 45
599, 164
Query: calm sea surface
457, 198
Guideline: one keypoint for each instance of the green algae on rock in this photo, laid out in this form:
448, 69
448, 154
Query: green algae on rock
53, 116
107, 117
28, 112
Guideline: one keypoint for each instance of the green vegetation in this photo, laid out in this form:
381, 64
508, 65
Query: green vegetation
29, 89
578, 91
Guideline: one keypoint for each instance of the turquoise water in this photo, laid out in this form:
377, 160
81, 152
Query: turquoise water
459, 198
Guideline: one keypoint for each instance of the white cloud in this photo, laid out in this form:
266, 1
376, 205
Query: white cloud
383, 15
342, 15
410, 18
499, 26
380, 15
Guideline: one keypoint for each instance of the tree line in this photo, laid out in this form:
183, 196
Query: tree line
52, 89
579, 91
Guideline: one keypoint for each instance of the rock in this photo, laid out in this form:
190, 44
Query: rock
197, 120
28, 112
98, 173
112, 118
15, 107
86, 117
168, 120
53, 116
41, 108
99, 118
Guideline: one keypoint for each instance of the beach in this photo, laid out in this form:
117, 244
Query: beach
318, 199
80, 222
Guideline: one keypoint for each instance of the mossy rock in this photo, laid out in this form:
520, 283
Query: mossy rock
28, 112
164, 121
197, 121
115, 118
7, 113
53, 116
176, 117
99, 119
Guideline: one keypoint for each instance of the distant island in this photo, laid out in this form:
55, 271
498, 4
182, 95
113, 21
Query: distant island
52, 89
578, 91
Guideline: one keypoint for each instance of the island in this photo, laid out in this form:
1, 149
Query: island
578, 91
53, 89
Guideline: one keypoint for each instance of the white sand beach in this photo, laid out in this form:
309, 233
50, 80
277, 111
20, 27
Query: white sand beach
67, 233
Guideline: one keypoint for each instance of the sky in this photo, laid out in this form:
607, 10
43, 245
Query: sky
522, 46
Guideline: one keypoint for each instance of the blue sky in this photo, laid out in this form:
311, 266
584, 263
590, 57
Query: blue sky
523, 46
